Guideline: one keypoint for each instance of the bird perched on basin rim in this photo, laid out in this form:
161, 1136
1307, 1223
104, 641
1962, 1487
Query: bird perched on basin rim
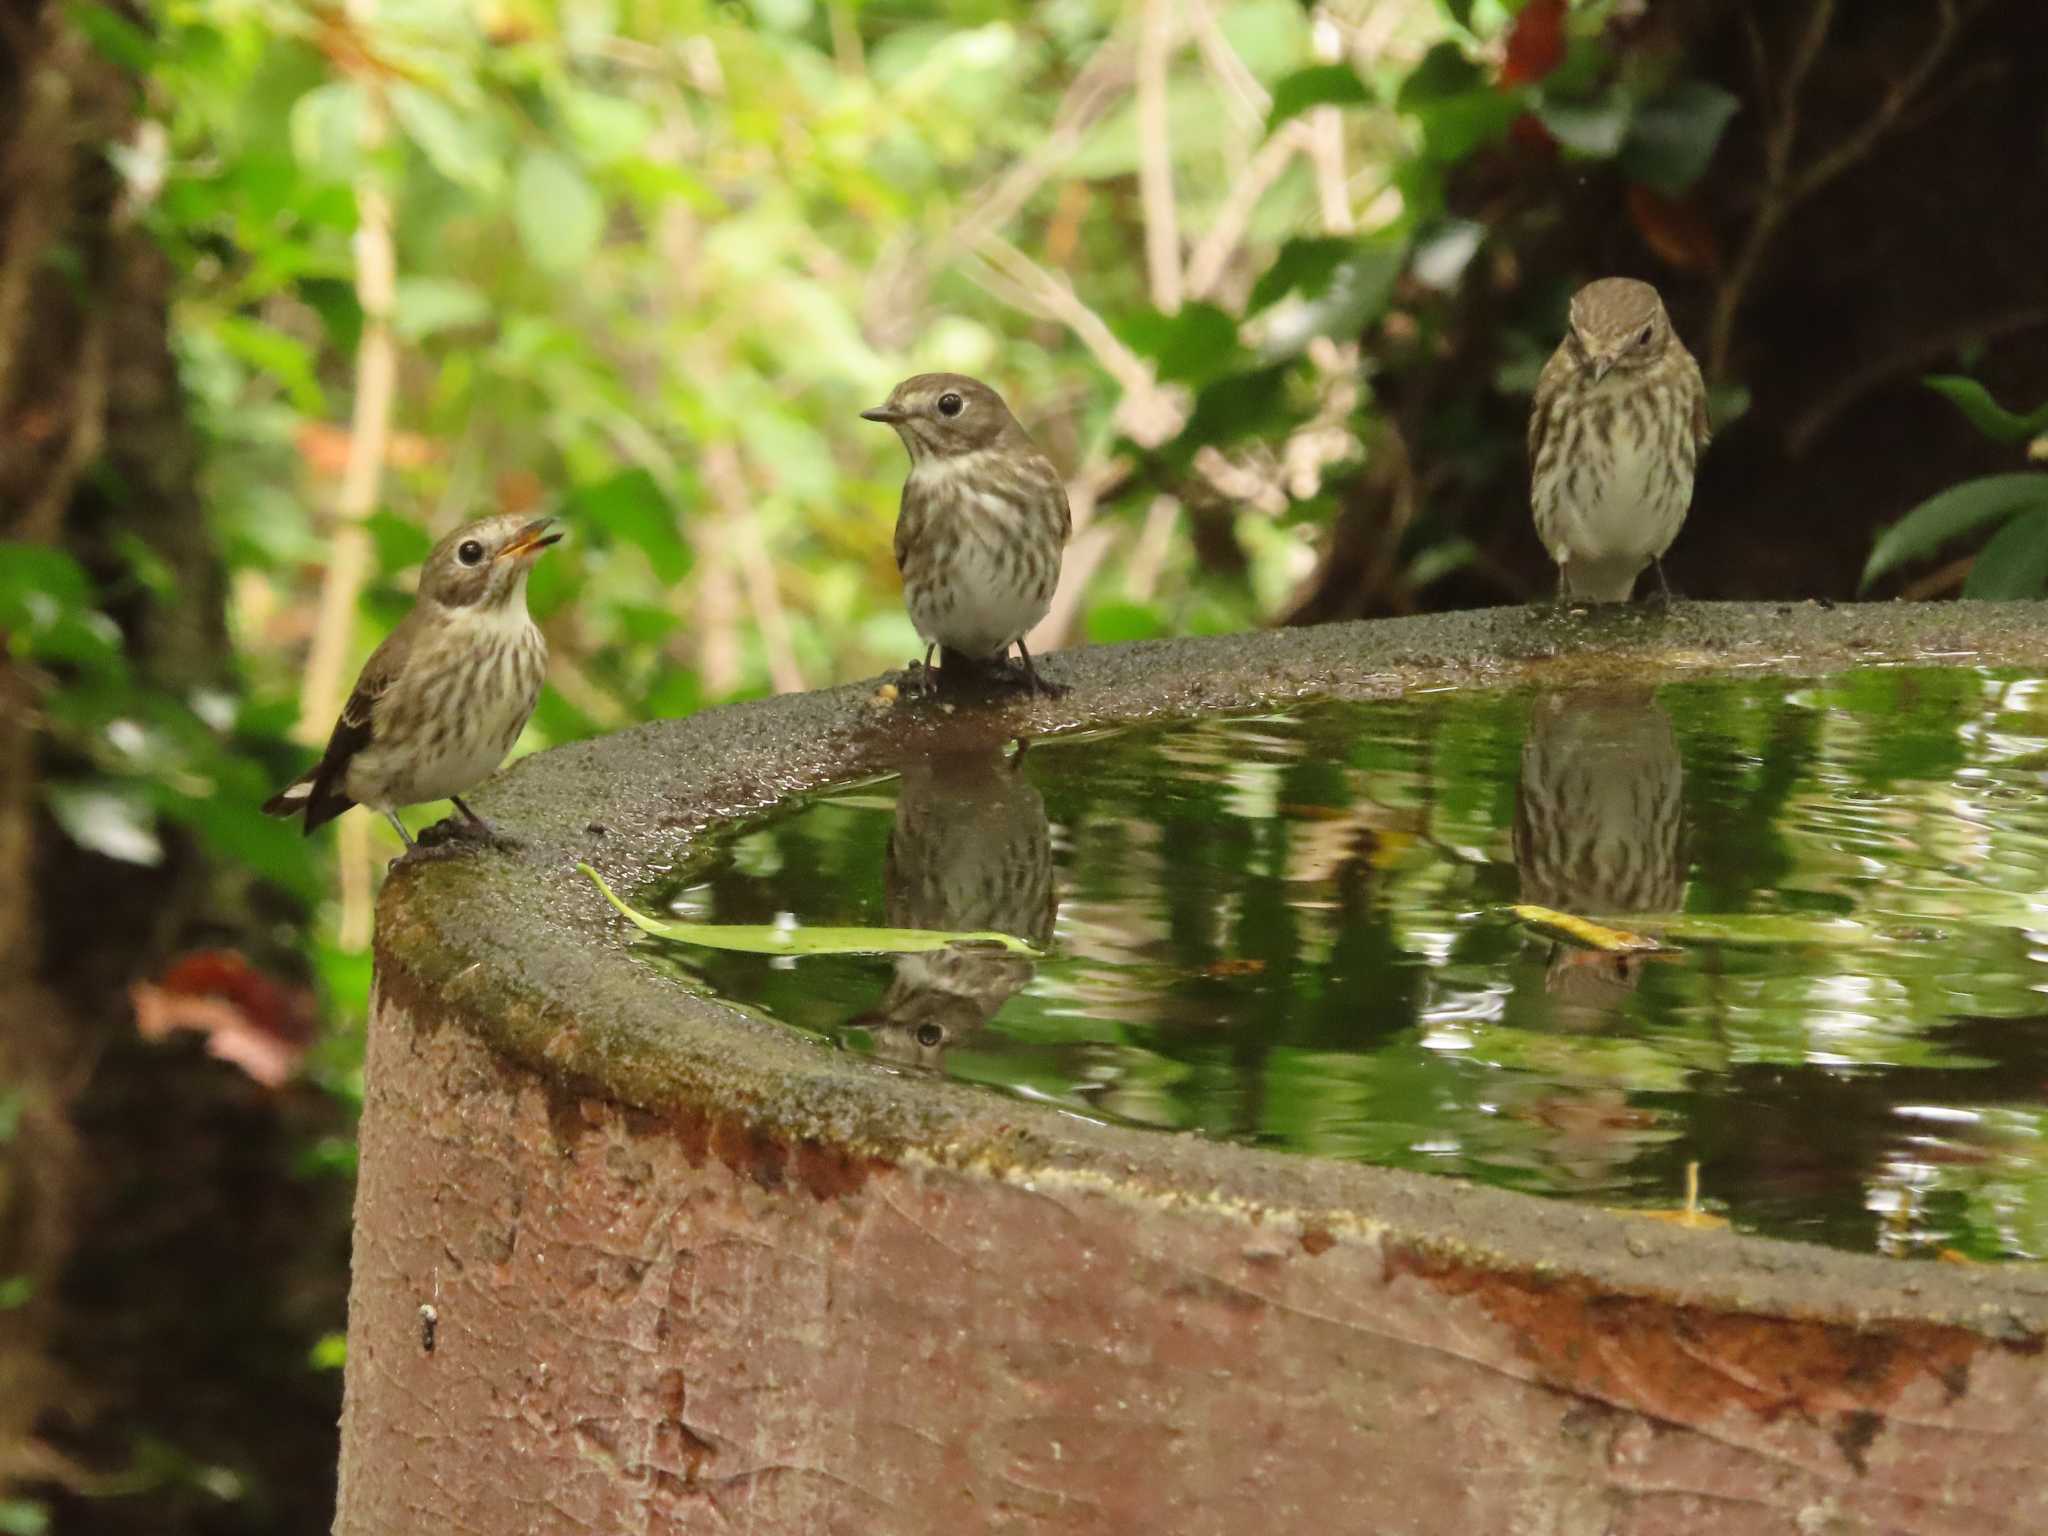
1619, 419
440, 702
983, 523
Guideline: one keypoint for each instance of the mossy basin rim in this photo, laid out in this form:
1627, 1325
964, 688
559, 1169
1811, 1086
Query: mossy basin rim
520, 950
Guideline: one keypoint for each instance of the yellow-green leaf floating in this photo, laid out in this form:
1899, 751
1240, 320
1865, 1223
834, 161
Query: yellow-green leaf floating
1583, 932
766, 939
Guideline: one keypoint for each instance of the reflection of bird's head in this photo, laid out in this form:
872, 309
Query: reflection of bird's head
915, 1026
940, 415
484, 564
1578, 978
1618, 325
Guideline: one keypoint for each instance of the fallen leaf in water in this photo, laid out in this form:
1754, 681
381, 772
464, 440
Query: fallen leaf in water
1688, 1215
1245, 967
768, 939
1954, 1256
1583, 932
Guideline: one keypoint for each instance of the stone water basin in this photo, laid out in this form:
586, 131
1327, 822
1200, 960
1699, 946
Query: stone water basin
648, 1242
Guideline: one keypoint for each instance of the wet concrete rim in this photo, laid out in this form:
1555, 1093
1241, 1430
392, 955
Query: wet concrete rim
519, 949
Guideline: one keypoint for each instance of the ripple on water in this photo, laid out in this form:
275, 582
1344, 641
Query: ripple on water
1288, 930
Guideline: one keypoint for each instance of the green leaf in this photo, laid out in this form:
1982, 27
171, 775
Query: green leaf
1356, 293
2015, 563
116, 38
1115, 622
1674, 135
450, 140
1305, 265
327, 129
560, 215
630, 507
425, 305
763, 939
1453, 127
1319, 85
23, 1517
1595, 128
1985, 413
1443, 72
1237, 406
1460, 11
1192, 346
1949, 515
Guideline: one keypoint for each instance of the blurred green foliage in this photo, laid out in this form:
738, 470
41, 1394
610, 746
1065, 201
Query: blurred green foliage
2014, 562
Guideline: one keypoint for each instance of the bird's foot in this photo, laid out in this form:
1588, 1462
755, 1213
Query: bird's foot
453, 834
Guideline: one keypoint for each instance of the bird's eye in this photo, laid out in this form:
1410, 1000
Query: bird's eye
929, 1035
471, 552
1643, 336
951, 404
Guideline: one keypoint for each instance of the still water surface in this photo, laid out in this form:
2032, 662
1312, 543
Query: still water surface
1288, 930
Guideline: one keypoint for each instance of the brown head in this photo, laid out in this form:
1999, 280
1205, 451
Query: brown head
940, 415
1617, 325
484, 564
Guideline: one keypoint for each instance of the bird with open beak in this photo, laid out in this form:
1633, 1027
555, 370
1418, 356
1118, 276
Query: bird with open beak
440, 702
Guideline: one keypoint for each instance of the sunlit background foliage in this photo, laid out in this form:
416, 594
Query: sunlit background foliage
1270, 281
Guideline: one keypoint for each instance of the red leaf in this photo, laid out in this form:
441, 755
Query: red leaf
1528, 133
251, 1019
1535, 43
1675, 229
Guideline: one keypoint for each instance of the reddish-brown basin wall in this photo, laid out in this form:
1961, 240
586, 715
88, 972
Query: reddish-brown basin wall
629, 1262
572, 1317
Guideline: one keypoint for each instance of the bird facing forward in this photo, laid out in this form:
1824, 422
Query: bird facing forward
983, 522
1615, 434
440, 702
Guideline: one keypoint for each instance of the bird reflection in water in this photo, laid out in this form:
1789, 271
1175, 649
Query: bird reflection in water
971, 850
1599, 830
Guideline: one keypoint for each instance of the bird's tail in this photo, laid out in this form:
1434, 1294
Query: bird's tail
307, 796
293, 798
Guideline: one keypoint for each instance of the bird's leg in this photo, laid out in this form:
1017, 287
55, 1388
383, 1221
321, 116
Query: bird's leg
477, 824
1663, 587
918, 677
1038, 684
478, 827
404, 836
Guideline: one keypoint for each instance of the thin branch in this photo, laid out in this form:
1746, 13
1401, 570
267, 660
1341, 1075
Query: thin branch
1220, 241
1247, 100
1149, 410
1155, 156
1783, 188
726, 477
1085, 551
369, 433
1921, 352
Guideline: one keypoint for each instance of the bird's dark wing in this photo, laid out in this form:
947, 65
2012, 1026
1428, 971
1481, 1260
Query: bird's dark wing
911, 521
319, 792
1543, 409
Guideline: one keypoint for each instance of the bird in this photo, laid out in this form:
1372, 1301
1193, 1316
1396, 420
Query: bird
1615, 434
440, 702
970, 851
1600, 824
983, 523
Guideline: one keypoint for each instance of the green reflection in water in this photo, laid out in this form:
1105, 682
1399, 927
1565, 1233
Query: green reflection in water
1286, 930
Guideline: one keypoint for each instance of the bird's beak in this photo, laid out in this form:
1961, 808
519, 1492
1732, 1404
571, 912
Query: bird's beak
1600, 367
531, 540
887, 414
